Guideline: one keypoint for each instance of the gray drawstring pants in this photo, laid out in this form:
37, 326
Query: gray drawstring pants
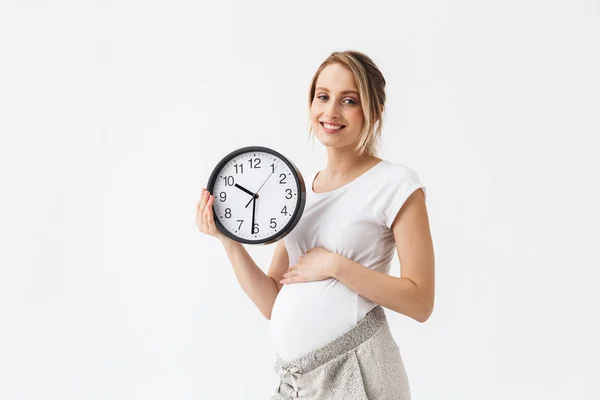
362, 364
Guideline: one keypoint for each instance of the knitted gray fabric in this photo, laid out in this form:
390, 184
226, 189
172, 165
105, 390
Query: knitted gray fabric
362, 364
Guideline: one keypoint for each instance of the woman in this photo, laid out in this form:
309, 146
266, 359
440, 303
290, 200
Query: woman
329, 279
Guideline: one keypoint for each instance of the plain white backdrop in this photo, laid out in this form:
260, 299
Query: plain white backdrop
114, 113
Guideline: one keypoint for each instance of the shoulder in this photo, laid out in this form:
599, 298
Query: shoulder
398, 171
390, 190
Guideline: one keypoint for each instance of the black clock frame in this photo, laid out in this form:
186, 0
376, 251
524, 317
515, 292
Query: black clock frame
300, 188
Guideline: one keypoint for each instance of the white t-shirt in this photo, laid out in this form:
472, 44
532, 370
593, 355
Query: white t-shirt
353, 220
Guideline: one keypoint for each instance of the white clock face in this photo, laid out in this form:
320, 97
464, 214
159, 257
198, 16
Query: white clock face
277, 195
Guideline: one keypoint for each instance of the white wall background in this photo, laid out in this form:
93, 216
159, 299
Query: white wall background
113, 114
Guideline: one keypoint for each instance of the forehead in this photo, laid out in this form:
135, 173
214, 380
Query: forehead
336, 78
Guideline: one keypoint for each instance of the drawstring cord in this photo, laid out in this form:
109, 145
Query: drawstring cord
294, 373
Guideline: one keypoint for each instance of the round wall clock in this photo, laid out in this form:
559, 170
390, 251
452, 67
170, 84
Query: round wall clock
259, 195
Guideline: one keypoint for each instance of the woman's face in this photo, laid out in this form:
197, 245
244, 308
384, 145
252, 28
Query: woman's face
336, 102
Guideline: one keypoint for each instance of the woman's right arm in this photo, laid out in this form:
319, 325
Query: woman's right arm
260, 287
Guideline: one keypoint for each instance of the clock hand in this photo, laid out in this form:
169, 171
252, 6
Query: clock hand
256, 194
266, 180
253, 212
244, 189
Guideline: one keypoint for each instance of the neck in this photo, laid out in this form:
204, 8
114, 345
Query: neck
345, 163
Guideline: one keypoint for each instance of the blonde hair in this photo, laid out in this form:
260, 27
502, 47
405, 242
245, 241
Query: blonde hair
371, 89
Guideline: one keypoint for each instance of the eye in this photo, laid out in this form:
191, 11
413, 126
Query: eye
349, 99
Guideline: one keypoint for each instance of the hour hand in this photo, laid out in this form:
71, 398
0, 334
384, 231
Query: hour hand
244, 189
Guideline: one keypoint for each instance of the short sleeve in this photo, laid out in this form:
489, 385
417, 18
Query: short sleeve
395, 187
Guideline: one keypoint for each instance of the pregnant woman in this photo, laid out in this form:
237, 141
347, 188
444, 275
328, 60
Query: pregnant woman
329, 282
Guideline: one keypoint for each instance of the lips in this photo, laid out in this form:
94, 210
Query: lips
332, 130
331, 123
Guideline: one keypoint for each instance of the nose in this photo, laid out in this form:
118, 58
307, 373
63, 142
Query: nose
332, 110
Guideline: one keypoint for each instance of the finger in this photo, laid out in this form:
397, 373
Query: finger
200, 213
202, 202
210, 216
207, 200
209, 208
292, 279
199, 203
205, 214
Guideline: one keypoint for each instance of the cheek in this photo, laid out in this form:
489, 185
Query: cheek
357, 115
314, 109
315, 113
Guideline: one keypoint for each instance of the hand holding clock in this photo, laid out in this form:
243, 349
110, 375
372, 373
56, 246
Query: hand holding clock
204, 216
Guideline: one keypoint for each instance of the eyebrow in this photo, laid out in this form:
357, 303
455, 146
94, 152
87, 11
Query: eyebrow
344, 92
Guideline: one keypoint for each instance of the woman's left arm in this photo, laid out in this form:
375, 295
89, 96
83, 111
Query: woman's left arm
412, 294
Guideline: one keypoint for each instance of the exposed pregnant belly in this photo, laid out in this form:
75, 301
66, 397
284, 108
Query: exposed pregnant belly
308, 315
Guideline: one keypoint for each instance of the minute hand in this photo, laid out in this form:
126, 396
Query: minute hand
253, 212
256, 194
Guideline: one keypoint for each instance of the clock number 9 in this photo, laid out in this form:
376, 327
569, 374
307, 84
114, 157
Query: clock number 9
222, 197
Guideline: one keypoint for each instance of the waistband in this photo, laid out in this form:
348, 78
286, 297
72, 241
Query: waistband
363, 330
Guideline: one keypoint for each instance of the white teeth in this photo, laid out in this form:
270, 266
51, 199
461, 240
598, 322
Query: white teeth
331, 126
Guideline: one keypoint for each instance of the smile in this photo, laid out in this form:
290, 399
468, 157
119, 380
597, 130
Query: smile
332, 128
